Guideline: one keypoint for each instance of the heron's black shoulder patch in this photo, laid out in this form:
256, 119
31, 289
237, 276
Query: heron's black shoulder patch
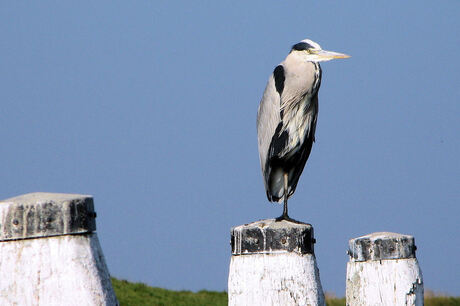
301, 46
278, 75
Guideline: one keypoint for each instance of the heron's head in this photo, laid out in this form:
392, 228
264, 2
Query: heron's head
312, 52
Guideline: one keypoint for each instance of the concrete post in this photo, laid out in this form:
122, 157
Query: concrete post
383, 270
49, 252
273, 263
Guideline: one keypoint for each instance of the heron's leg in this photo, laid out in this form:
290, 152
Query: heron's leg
285, 216
285, 209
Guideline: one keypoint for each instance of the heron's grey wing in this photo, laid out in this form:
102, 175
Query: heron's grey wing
268, 118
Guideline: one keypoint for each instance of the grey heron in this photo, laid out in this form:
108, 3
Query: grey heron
286, 119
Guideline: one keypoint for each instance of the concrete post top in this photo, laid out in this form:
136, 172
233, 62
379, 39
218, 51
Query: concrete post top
43, 214
270, 236
39, 197
381, 246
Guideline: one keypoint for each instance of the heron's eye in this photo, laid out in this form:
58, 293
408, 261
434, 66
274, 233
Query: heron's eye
311, 51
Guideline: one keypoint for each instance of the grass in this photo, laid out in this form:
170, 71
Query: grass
440, 299
134, 294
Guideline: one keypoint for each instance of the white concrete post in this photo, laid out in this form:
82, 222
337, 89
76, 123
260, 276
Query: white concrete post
49, 252
383, 270
273, 263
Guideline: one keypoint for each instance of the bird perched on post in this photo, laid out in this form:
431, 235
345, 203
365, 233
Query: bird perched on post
286, 119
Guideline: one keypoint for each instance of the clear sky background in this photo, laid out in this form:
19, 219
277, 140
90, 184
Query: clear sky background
150, 106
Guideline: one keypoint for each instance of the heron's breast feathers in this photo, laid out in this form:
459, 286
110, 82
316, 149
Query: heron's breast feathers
298, 123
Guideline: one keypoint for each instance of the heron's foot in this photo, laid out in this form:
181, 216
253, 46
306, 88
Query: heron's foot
285, 217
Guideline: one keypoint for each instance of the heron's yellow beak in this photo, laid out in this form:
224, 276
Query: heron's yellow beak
328, 55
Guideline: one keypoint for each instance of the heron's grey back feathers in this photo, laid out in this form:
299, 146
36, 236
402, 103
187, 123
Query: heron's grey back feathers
286, 123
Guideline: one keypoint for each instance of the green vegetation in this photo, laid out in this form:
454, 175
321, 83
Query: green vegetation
135, 294
333, 301
440, 299
429, 301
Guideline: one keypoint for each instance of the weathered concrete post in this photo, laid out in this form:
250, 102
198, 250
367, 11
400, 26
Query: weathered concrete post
49, 252
273, 263
383, 270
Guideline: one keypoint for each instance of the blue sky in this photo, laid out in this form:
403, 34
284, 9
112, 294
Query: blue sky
150, 107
